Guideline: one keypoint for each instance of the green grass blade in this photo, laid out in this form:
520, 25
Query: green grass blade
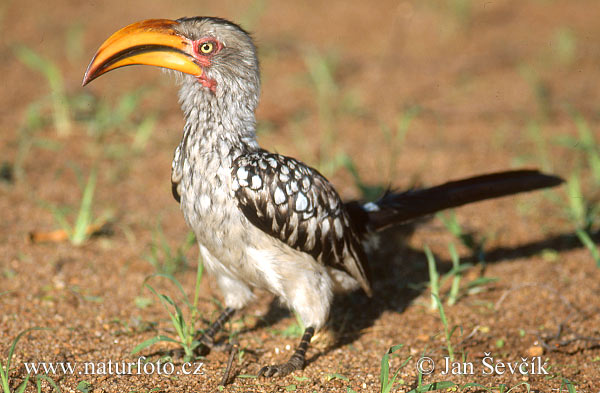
448, 332
11, 351
61, 219
384, 374
587, 241
592, 149
456, 276
4, 378
176, 283
53, 76
567, 384
144, 132
22, 386
153, 341
434, 277
38, 382
84, 217
576, 200
177, 317
433, 386
199, 273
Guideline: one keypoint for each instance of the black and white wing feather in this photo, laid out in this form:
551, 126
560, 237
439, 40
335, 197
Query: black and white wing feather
297, 205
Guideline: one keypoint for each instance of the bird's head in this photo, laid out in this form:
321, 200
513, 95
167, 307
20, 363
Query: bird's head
216, 57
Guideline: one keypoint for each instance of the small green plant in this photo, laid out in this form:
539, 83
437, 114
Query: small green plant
387, 383
455, 273
163, 257
52, 74
103, 118
434, 277
5, 369
448, 332
339, 376
469, 240
294, 330
84, 225
84, 387
186, 330
567, 384
370, 192
584, 215
586, 143
435, 282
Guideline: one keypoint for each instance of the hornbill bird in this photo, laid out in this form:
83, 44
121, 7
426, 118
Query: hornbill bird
264, 220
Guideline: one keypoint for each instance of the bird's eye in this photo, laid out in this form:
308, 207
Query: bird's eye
207, 48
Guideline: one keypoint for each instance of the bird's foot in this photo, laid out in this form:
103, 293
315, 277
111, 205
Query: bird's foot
296, 362
281, 370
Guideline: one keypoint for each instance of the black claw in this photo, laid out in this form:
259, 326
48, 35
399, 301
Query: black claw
296, 362
281, 370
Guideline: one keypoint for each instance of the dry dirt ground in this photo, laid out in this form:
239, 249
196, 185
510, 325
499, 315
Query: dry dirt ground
478, 86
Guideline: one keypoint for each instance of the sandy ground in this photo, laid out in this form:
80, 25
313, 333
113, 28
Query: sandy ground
489, 85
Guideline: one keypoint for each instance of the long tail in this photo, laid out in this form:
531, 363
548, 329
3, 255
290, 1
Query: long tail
396, 208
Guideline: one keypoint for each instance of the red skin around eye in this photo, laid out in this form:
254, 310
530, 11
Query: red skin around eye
205, 60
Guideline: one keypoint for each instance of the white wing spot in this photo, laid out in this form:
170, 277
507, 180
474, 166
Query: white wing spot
235, 185
279, 196
294, 185
256, 182
339, 231
301, 202
333, 204
325, 227
242, 173
305, 184
283, 177
262, 164
285, 170
272, 162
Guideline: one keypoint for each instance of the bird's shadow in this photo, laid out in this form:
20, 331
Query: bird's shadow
397, 270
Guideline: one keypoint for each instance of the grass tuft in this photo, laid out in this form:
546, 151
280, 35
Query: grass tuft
5, 369
387, 382
186, 329
84, 225
51, 72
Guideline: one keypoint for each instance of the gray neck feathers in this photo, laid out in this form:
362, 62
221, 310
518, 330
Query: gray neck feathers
221, 123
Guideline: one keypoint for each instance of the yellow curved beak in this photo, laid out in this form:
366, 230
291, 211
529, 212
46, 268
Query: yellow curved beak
151, 42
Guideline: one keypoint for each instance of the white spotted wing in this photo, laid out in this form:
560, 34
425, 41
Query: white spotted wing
297, 205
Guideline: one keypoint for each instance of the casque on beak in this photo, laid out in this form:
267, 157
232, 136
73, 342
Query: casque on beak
150, 42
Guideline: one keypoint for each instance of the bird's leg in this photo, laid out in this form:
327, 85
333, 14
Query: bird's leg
207, 339
296, 361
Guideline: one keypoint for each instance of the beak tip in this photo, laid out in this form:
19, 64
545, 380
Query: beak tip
88, 76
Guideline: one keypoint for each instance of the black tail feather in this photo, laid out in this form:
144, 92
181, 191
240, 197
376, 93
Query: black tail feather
396, 208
